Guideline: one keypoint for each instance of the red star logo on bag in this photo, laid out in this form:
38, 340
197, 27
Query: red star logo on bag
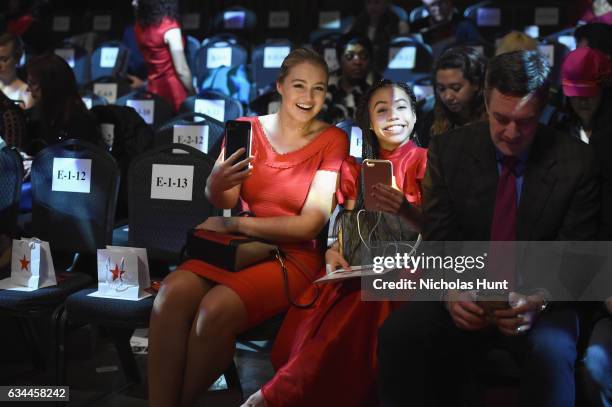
24, 263
116, 272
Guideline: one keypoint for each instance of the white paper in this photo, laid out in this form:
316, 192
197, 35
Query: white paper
233, 20
356, 142
102, 22
191, 21
141, 296
546, 16
402, 57
548, 51
173, 182
88, 102
61, 23
273, 107
329, 54
191, 135
145, 108
67, 54
329, 20
108, 134
108, 57
71, 175
214, 108
568, 40
278, 19
107, 91
488, 17
274, 56
218, 56
355, 272
423, 91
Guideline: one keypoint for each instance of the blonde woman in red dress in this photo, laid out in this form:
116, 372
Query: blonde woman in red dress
289, 186
326, 355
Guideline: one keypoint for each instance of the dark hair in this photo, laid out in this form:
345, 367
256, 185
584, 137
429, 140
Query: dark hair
152, 12
352, 39
518, 74
598, 36
473, 67
298, 56
10, 38
370, 224
59, 92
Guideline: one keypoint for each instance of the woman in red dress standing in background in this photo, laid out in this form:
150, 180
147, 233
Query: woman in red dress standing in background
159, 38
289, 187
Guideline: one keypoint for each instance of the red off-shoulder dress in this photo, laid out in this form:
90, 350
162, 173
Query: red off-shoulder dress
326, 355
278, 186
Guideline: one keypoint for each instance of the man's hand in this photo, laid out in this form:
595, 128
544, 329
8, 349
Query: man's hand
521, 315
465, 312
220, 224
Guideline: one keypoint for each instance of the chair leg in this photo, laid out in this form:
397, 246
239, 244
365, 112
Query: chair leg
232, 379
121, 338
29, 334
61, 322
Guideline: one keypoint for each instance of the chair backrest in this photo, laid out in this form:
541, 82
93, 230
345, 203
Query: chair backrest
555, 53
418, 13
355, 137
326, 47
548, 16
195, 23
74, 194
399, 12
266, 62
278, 22
11, 175
167, 198
214, 104
565, 37
330, 22
78, 59
60, 25
192, 45
194, 129
217, 52
268, 102
235, 19
110, 88
110, 59
408, 60
491, 17
153, 109
91, 99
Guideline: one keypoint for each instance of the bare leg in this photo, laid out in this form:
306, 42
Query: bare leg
221, 316
173, 312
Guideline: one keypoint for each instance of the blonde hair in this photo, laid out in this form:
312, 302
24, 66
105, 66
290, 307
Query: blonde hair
516, 41
298, 56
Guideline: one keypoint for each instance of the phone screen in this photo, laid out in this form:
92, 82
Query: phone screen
237, 135
375, 172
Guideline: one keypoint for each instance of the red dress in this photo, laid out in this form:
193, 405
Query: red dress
326, 355
278, 186
162, 77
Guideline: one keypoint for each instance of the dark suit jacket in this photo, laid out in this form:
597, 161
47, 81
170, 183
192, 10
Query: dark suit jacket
559, 197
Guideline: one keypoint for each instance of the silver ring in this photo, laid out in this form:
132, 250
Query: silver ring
519, 329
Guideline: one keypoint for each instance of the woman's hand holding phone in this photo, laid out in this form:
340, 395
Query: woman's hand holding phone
226, 174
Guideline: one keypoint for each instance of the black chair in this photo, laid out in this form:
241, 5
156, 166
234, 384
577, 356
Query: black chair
326, 47
493, 17
153, 109
11, 175
239, 20
354, 135
217, 51
78, 59
213, 104
166, 133
91, 99
159, 225
408, 60
418, 13
192, 45
555, 53
267, 102
109, 87
195, 23
330, 22
266, 62
109, 59
72, 222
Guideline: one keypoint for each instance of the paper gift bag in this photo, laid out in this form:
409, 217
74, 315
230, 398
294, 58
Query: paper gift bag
123, 273
31, 264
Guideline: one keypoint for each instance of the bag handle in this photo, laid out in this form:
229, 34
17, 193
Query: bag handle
281, 257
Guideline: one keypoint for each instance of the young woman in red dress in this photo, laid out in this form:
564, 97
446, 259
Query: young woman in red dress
289, 186
159, 38
326, 355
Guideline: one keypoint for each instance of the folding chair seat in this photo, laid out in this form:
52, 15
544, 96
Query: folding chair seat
214, 104
153, 109
266, 62
213, 129
110, 59
221, 50
408, 60
161, 226
78, 59
72, 222
239, 20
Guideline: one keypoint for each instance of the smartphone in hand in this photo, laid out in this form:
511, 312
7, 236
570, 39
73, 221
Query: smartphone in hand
491, 301
375, 172
237, 135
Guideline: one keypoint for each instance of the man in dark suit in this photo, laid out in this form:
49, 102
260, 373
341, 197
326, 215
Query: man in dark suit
506, 179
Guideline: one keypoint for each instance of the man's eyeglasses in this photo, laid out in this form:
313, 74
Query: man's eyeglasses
350, 56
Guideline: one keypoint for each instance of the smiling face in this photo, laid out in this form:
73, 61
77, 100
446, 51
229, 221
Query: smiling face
454, 91
391, 117
303, 91
513, 121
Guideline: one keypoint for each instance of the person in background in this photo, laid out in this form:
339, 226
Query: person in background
11, 50
516, 41
61, 112
459, 92
595, 35
347, 85
159, 38
600, 11
379, 24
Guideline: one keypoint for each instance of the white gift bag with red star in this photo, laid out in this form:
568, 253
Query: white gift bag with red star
123, 273
31, 264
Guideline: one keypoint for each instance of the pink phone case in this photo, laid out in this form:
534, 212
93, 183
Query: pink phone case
375, 172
